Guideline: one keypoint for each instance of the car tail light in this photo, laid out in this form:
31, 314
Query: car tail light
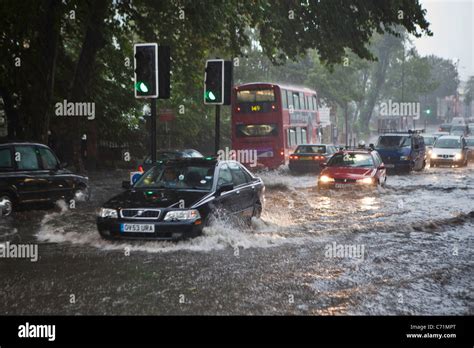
238, 109
273, 107
292, 157
282, 152
140, 169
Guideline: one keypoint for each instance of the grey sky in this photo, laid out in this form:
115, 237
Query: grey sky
451, 22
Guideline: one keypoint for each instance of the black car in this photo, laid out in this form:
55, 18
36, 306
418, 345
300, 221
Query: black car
164, 155
31, 172
308, 157
177, 199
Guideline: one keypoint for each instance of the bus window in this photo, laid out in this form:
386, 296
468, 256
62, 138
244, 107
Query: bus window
315, 104
299, 136
255, 95
284, 99
303, 136
310, 101
296, 101
256, 100
257, 130
290, 99
302, 101
291, 137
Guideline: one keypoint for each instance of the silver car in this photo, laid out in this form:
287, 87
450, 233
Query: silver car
449, 150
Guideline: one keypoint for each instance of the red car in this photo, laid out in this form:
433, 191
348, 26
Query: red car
353, 168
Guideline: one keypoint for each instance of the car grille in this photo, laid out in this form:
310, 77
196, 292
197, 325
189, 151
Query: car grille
344, 180
138, 213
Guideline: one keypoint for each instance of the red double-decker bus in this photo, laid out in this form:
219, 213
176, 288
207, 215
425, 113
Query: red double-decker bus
272, 119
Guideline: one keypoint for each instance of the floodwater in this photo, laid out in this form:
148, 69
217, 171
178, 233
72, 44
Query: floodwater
402, 249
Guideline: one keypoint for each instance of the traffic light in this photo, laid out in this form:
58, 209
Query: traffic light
218, 82
214, 82
146, 70
164, 71
428, 111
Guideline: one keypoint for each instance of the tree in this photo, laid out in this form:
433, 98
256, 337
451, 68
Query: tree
83, 58
469, 93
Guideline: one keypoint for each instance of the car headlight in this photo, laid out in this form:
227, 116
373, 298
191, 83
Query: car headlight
433, 155
108, 213
404, 158
177, 215
366, 181
458, 156
326, 178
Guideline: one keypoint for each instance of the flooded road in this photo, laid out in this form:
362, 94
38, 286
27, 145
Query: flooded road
403, 249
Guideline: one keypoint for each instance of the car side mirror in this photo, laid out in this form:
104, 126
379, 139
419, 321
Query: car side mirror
62, 165
224, 188
323, 165
126, 184
381, 167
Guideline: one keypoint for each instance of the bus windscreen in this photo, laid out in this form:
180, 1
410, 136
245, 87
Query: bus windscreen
256, 130
256, 95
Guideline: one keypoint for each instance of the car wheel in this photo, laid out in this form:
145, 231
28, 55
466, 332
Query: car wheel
257, 210
82, 193
6, 205
105, 236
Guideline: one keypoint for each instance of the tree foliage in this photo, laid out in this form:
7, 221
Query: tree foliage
79, 50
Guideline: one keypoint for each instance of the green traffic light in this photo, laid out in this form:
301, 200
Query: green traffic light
210, 96
141, 87
428, 111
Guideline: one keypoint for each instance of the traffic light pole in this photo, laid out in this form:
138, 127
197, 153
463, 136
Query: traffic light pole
218, 128
153, 130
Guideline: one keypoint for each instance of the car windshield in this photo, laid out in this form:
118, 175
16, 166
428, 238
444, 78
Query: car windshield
448, 143
311, 149
178, 176
470, 142
351, 160
429, 140
393, 141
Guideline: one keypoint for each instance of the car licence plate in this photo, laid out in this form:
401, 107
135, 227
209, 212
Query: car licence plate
390, 166
306, 158
137, 228
341, 185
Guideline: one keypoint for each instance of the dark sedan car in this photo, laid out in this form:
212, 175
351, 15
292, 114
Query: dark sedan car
309, 157
175, 200
164, 155
31, 172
